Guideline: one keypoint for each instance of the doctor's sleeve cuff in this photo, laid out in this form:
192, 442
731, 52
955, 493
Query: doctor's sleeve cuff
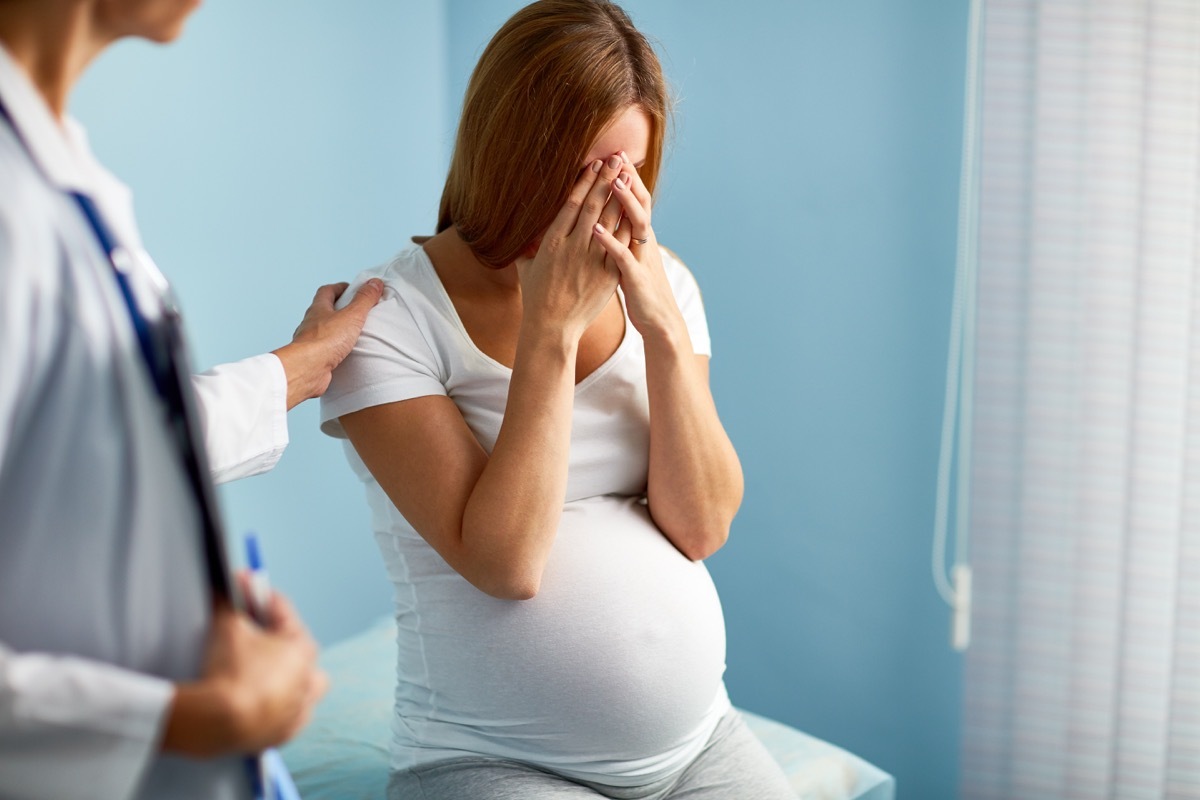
74, 728
243, 411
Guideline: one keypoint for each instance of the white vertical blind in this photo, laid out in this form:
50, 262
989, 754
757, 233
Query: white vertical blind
1083, 679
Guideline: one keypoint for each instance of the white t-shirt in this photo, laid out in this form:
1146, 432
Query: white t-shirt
613, 672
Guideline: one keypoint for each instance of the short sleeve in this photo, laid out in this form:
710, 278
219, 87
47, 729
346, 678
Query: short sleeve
392, 361
687, 295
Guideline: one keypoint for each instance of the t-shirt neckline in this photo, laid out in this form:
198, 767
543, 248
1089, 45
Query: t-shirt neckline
443, 297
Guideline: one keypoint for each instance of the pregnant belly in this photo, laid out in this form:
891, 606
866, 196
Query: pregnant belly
618, 658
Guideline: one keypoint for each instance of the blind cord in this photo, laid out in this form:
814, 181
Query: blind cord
954, 463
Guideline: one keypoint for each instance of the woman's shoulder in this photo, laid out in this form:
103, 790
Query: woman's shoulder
687, 295
414, 310
409, 283
403, 273
670, 257
682, 281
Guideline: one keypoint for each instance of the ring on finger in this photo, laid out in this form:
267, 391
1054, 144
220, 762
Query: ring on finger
640, 241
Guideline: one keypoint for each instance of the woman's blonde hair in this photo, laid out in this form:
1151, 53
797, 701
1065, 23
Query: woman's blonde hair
551, 80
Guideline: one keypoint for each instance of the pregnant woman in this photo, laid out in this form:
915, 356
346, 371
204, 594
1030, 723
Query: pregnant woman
529, 409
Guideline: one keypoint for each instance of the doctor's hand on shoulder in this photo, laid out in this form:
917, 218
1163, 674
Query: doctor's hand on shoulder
324, 338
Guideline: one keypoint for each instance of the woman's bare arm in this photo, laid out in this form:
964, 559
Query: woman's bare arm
494, 518
695, 480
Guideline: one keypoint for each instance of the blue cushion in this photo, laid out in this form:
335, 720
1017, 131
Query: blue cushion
343, 753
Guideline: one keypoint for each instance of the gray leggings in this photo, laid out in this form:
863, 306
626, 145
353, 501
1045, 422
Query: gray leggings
734, 765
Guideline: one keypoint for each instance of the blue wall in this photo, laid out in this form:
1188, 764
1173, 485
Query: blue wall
811, 187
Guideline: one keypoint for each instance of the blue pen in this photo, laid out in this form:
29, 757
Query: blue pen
256, 606
269, 776
259, 601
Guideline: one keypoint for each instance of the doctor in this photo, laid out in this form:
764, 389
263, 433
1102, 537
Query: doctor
119, 675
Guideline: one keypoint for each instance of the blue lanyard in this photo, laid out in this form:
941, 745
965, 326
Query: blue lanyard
164, 353
153, 352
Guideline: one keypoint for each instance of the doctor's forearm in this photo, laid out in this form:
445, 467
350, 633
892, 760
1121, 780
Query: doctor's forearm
202, 722
211, 718
308, 369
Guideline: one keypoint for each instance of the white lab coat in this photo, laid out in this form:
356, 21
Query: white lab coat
103, 596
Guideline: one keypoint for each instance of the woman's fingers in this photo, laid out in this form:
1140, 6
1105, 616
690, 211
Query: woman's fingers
589, 199
622, 234
617, 251
568, 215
610, 217
636, 213
597, 197
639, 188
